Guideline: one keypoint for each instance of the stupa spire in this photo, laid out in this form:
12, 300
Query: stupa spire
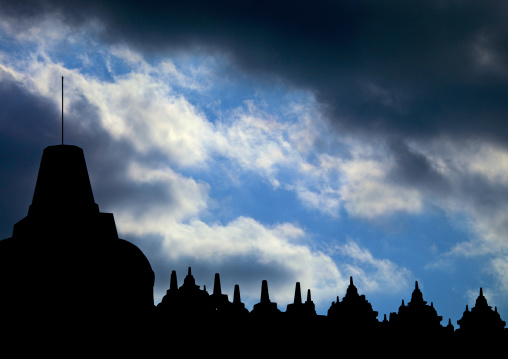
216, 285
265, 298
189, 282
62, 113
173, 284
417, 296
265, 306
236, 295
298, 294
351, 291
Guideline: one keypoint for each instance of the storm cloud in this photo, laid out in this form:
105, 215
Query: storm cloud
416, 69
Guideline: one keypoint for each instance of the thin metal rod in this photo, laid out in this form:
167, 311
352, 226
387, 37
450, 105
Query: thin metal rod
62, 112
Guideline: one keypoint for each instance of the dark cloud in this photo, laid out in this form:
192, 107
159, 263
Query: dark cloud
420, 55
486, 197
415, 170
21, 149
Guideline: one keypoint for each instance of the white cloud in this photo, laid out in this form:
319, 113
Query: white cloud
286, 153
256, 142
325, 199
373, 274
186, 198
138, 107
500, 269
367, 192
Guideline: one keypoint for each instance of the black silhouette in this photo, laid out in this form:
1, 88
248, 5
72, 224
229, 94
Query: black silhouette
417, 316
65, 274
300, 310
265, 308
354, 313
481, 321
64, 268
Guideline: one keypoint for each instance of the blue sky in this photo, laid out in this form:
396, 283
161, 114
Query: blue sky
288, 142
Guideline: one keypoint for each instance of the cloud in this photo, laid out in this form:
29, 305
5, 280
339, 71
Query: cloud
475, 173
416, 70
256, 142
264, 144
373, 274
367, 192
175, 196
414, 169
500, 269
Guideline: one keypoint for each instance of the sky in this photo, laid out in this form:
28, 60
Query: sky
291, 141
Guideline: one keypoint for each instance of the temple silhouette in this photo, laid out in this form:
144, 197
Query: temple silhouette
66, 273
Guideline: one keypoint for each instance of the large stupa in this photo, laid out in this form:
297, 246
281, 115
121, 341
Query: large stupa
64, 264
